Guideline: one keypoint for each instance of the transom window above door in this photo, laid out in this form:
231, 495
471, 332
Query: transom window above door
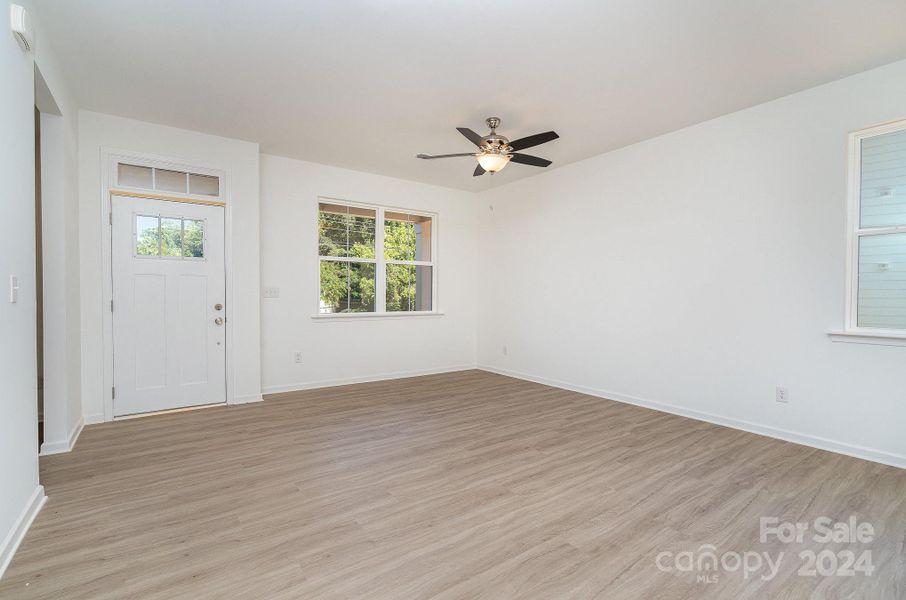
166, 180
371, 269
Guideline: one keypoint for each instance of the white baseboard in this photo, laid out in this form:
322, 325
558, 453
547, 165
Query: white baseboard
872, 454
94, 419
20, 527
311, 385
246, 399
65, 445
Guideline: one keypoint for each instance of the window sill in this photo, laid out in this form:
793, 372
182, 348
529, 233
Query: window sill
373, 316
869, 337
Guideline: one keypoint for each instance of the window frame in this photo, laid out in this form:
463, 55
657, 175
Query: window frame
159, 256
379, 262
855, 232
155, 164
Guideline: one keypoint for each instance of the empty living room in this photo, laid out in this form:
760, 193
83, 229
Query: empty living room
411, 300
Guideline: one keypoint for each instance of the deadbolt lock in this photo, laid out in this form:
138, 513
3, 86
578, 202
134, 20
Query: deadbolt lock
218, 321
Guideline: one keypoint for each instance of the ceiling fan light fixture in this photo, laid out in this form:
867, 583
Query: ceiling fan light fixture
496, 151
492, 162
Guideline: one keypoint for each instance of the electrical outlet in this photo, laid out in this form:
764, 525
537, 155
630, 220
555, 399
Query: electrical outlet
505, 351
298, 357
782, 394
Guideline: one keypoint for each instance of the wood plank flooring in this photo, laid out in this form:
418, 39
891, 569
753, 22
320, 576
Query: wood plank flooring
458, 486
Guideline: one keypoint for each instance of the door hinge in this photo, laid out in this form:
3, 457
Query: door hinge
113, 393
111, 306
110, 217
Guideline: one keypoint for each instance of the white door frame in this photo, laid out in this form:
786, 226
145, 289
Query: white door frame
109, 158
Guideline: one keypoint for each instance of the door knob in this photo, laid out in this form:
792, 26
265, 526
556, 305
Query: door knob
218, 306
218, 321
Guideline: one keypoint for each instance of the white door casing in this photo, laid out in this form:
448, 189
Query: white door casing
169, 336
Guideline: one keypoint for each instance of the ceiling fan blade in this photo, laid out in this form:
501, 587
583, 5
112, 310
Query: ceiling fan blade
432, 156
528, 159
479, 170
470, 135
533, 140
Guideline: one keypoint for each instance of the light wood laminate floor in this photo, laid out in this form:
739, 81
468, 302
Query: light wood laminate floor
458, 486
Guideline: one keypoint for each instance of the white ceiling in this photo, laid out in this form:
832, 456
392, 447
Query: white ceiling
367, 84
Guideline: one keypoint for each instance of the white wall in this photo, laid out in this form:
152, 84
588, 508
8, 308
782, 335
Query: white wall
18, 404
701, 269
60, 249
337, 351
240, 160
21, 494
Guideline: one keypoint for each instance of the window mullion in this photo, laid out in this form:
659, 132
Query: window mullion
418, 263
380, 286
354, 259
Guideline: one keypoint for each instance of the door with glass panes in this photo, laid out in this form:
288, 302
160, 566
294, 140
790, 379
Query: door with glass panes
169, 313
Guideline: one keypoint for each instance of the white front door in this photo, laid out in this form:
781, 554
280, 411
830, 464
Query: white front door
169, 314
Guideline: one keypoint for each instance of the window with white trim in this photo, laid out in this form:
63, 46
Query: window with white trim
366, 268
876, 300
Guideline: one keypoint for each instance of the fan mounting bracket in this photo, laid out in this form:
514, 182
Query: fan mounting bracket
494, 142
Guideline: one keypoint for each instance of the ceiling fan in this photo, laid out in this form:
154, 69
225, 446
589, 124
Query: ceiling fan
496, 152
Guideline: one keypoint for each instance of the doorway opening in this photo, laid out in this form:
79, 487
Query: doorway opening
39, 281
56, 279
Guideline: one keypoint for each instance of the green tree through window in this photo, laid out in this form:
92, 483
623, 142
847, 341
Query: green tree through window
350, 285
169, 237
346, 286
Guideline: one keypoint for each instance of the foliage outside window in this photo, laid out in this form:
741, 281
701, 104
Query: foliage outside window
877, 262
169, 237
366, 269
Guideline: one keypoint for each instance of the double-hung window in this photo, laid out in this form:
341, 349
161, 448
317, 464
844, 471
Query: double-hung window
876, 286
375, 259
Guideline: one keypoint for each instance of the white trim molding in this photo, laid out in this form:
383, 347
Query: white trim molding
869, 337
324, 383
67, 445
246, 399
871, 454
94, 419
20, 527
370, 316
